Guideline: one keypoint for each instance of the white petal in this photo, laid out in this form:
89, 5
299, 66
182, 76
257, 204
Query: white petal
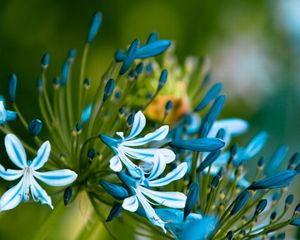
138, 125
149, 211
168, 199
56, 178
157, 135
115, 164
134, 170
10, 174
168, 154
159, 165
41, 156
39, 194
235, 126
12, 197
15, 150
175, 174
130, 204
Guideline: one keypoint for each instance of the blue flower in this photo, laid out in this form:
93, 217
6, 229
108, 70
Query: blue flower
124, 147
28, 173
6, 115
140, 190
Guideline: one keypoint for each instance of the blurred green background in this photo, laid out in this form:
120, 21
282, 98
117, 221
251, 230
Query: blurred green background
253, 46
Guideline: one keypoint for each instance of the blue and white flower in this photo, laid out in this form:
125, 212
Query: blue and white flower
6, 115
125, 149
142, 193
28, 174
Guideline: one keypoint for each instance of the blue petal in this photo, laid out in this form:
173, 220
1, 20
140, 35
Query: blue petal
138, 125
192, 198
12, 197
153, 49
174, 175
256, 144
15, 150
94, 27
56, 178
130, 204
10, 115
41, 156
39, 194
276, 160
10, 174
86, 113
115, 190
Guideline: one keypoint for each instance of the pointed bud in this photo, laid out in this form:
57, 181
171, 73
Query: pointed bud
261, 163
211, 157
12, 87
86, 113
114, 190
67, 195
260, 206
168, 106
139, 68
229, 235
65, 73
114, 212
294, 161
289, 200
91, 154
45, 61
162, 79
221, 133
86, 83
215, 182
199, 145
39, 84
131, 54
153, 49
108, 89
152, 37
149, 68
240, 202
191, 200
94, 27
273, 216
71, 55
56, 82
130, 120
35, 127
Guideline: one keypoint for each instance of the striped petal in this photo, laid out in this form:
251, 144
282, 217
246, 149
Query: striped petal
56, 178
15, 150
131, 204
159, 165
169, 199
10, 174
39, 194
175, 174
115, 164
41, 156
139, 123
158, 135
134, 170
12, 197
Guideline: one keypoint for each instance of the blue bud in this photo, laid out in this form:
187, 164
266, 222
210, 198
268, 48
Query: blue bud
91, 154
114, 190
131, 54
199, 145
216, 108
229, 235
281, 236
276, 160
205, 128
221, 133
169, 105
261, 162
45, 61
122, 111
149, 68
130, 119
152, 37
71, 54
120, 55
215, 182
126, 179
94, 27
279, 180
212, 93
211, 157
67, 195
86, 113
294, 160
114, 212
289, 199
273, 215
39, 84
86, 83
12, 87
139, 68
191, 200
117, 95
275, 197
153, 49
296, 222
260, 206
78, 128
65, 73
56, 82
240, 202
162, 79
108, 89
35, 127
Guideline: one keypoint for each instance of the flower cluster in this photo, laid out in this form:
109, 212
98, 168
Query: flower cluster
187, 179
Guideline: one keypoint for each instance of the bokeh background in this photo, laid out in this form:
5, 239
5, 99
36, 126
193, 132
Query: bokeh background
253, 46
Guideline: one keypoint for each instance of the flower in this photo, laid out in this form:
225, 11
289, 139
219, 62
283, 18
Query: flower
6, 115
28, 172
140, 190
124, 147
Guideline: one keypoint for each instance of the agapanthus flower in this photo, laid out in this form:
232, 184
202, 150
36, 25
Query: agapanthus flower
141, 191
128, 147
28, 173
